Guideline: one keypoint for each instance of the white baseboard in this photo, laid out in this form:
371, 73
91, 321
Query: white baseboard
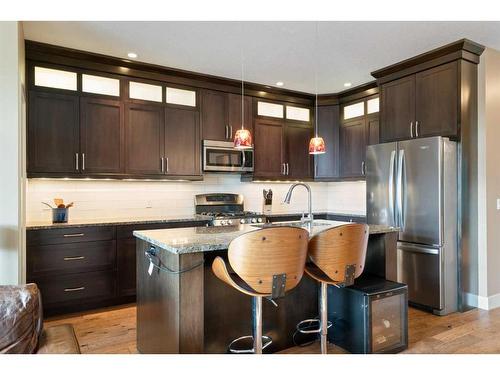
483, 303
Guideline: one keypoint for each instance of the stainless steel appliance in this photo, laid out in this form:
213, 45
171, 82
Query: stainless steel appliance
223, 157
413, 185
226, 209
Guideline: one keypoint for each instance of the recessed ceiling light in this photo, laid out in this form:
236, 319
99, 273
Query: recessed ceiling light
132, 55
279, 83
347, 84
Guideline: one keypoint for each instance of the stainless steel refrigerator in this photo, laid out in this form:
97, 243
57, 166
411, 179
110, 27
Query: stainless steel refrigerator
413, 185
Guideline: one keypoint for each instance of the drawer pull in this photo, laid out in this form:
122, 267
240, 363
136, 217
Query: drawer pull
74, 258
74, 289
74, 235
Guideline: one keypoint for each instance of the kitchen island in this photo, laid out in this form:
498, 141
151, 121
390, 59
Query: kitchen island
183, 308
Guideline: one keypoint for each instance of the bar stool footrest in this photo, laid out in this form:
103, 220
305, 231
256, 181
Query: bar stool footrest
266, 341
302, 328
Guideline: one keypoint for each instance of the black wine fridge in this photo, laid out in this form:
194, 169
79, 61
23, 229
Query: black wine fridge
370, 316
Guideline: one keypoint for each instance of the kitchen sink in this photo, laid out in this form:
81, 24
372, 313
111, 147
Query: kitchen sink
295, 224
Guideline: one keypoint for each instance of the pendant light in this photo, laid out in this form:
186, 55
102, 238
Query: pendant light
242, 137
317, 143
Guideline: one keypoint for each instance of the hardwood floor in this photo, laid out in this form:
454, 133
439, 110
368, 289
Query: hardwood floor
476, 331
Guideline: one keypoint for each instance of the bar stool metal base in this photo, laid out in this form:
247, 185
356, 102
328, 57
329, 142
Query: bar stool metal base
323, 323
266, 341
259, 342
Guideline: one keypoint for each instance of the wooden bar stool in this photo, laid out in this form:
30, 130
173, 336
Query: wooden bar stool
337, 257
267, 262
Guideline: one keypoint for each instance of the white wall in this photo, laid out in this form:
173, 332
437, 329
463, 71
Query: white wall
140, 199
11, 153
489, 179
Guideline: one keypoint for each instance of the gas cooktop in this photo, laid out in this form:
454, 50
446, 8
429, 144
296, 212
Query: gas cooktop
226, 209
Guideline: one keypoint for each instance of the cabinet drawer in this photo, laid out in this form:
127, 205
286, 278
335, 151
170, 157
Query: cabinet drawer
69, 235
82, 286
71, 258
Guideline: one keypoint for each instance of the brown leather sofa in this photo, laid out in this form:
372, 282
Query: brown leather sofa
21, 324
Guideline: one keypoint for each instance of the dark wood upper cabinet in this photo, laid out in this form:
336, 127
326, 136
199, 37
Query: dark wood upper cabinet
101, 136
182, 142
296, 150
144, 139
398, 109
437, 101
373, 129
352, 148
268, 148
214, 115
234, 113
327, 164
53, 133
421, 105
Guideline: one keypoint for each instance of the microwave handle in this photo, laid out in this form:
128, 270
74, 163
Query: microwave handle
244, 158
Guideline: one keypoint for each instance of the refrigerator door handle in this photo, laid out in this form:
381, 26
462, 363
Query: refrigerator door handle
391, 187
399, 190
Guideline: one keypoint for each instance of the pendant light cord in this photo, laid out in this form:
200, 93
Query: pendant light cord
316, 81
242, 80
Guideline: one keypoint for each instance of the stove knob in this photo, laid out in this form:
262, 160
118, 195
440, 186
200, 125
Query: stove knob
229, 222
259, 220
242, 221
223, 222
254, 220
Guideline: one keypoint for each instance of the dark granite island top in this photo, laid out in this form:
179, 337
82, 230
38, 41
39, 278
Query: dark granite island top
202, 239
182, 307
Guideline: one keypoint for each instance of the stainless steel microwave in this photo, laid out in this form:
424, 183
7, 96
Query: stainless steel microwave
223, 157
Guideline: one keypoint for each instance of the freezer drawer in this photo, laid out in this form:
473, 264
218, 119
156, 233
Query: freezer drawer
420, 268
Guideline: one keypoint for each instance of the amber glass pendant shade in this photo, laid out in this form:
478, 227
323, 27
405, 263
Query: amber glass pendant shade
316, 146
242, 139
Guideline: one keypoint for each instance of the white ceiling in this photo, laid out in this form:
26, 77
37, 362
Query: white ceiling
272, 51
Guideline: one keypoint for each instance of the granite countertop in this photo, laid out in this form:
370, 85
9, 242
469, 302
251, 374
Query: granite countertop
202, 239
106, 221
34, 225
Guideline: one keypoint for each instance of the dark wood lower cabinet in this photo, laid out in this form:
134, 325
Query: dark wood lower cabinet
79, 268
126, 267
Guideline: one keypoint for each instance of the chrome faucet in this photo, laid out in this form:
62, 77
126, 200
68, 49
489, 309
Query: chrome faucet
288, 197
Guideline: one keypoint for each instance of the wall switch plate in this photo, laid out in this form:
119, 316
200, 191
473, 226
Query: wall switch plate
498, 203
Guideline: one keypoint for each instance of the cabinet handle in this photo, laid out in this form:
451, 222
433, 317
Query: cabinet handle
227, 129
282, 168
416, 128
411, 129
162, 165
73, 258
167, 164
363, 171
74, 235
230, 131
76, 158
287, 169
83, 161
74, 289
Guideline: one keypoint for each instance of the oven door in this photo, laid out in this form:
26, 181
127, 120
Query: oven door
222, 157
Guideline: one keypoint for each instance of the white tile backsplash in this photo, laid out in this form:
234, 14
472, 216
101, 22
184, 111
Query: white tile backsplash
117, 199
